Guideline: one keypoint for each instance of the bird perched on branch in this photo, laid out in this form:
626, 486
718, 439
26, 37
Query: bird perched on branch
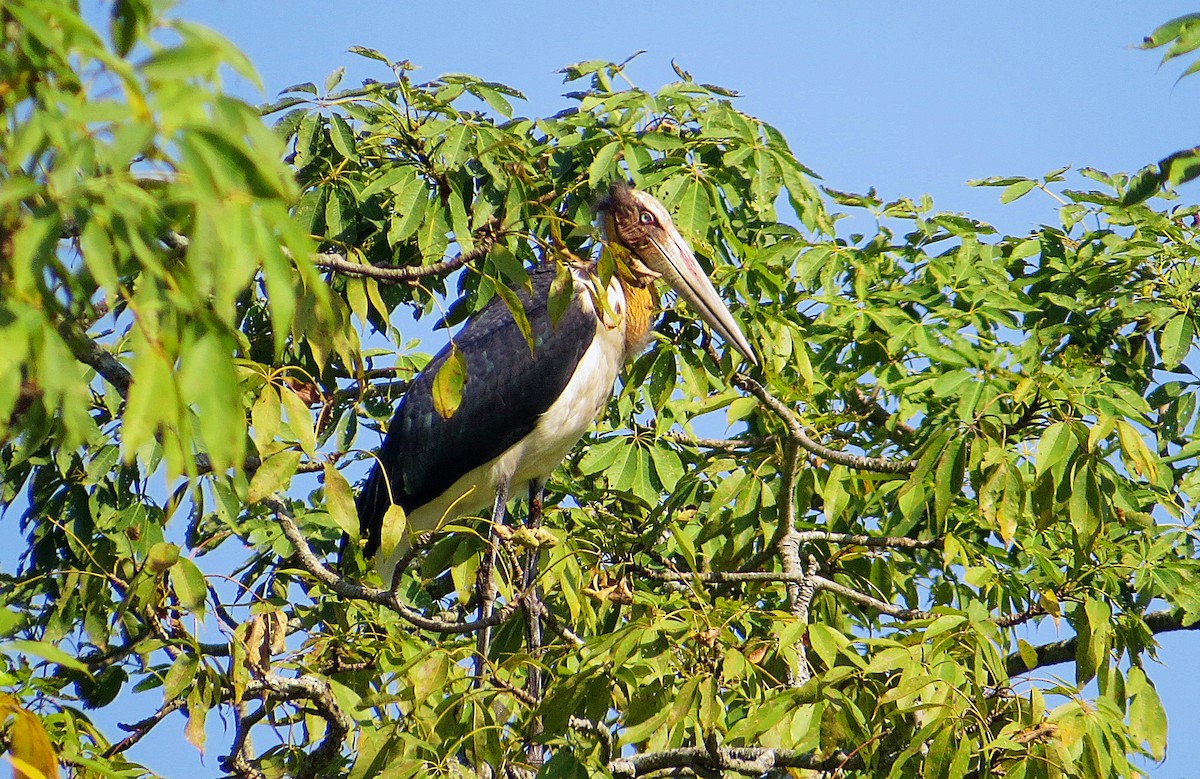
522, 410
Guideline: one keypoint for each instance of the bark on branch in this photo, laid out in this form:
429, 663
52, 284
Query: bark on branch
748, 761
798, 434
1055, 652
386, 598
320, 696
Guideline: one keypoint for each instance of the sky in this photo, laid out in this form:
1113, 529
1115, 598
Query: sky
909, 98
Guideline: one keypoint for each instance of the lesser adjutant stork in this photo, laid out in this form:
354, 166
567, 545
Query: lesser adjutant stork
521, 412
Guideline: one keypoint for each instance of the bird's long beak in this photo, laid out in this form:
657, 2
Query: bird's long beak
673, 258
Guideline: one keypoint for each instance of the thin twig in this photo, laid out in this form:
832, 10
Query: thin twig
882, 417
854, 539
820, 583
751, 761
139, 730
799, 435
237, 762
347, 589
719, 444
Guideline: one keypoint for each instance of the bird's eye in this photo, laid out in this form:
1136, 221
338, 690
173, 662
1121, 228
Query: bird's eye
646, 218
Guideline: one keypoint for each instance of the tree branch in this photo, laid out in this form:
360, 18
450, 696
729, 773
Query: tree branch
139, 730
485, 237
818, 582
749, 761
798, 434
404, 273
320, 694
852, 539
1055, 652
237, 762
96, 357
385, 598
882, 417
799, 586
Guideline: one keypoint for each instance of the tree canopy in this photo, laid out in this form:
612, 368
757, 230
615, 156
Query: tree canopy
955, 436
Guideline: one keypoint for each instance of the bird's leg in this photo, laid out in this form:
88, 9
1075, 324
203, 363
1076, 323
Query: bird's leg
534, 753
485, 580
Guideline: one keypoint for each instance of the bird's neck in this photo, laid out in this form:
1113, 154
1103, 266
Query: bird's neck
641, 301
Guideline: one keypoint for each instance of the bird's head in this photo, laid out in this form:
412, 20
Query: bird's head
653, 248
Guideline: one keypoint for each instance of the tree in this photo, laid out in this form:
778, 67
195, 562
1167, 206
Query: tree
954, 434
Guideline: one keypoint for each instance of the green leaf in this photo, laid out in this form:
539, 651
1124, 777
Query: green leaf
1028, 652
602, 167
342, 137
189, 585
562, 290
409, 207
363, 51
266, 418
333, 79
339, 499
1176, 340
300, 421
398, 178
1017, 190
448, 384
393, 530
517, 309
46, 651
210, 384
273, 475
1143, 186
1147, 717
1055, 446
693, 210
180, 676
1169, 31
151, 397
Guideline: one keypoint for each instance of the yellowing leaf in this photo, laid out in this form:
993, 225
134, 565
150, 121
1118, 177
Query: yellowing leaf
273, 475
448, 384
162, 556
30, 748
392, 532
194, 730
300, 421
339, 499
189, 585
266, 418
1139, 456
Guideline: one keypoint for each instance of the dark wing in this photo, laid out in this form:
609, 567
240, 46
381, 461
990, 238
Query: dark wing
506, 390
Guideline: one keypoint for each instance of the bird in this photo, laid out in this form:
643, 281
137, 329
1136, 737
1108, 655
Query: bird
526, 403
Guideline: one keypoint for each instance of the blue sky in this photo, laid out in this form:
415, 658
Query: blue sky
909, 98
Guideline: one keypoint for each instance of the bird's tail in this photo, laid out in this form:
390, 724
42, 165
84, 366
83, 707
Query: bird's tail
372, 503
